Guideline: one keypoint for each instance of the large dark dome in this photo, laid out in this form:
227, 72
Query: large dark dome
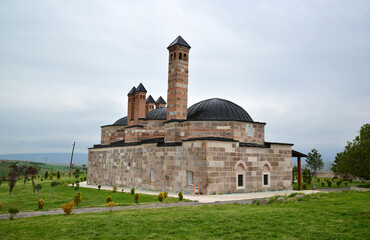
216, 109
157, 114
120, 122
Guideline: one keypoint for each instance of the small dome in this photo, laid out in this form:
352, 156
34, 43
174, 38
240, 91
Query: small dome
216, 109
120, 122
157, 114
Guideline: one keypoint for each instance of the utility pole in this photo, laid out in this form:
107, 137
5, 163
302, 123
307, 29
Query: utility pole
70, 164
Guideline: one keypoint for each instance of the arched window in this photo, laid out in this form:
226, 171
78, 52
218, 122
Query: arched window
249, 131
185, 56
174, 56
266, 175
171, 57
240, 176
180, 56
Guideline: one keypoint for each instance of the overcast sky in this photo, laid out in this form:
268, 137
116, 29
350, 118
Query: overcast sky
303, 67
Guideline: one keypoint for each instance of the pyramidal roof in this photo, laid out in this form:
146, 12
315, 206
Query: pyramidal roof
140, 88
161, 101
132, 91
179, 41
150, 99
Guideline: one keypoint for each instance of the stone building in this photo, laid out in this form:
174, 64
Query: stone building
213, 146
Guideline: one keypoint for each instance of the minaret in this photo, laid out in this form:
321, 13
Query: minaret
177, 93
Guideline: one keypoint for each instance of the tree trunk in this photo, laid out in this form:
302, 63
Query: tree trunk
38, 195
53, 191
33, 185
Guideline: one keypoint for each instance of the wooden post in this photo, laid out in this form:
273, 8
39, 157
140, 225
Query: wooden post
70, 164
299, 173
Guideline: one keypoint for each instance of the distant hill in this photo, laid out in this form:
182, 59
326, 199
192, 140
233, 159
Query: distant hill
49, 158
4, 167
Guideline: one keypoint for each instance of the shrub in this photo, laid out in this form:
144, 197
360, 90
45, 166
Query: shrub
73, 184
329, 183
42, 179
58, 175
137, 196
350, 180
338, 183
81, 179
67, 208
132, 190
13, 212
180, 196
115, 189
111, 204
318, 180
345, 183
77, 176
51, 176
77, 198
306, 175
304, 185
84, 178
323, 184
123, 190
335, 178
1, 206
160, 197
41, 203
165, 194
109, 199
99, 186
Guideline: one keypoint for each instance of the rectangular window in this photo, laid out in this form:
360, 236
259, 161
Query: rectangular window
190, 177
265, 179
240, 180
152, 175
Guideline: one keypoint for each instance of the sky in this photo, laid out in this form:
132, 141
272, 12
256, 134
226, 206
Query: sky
303, 67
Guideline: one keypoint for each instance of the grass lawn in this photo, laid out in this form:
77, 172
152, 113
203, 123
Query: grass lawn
24, 199
319, 216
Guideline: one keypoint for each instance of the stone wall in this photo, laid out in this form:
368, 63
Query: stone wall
112, 134
224, 129
214, 164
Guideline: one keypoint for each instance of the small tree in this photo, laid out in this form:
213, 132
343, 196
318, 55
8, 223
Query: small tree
160, 197
355, 159
306, 175
53, 184
13, 176
46, 175
58, 175
13, 212
314, 161
38, 187
77, 199
67, 208
41, 203
137, 196
180, 196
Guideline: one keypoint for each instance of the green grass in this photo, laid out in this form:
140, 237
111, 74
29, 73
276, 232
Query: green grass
24, 199
333, 185
4, 166
319, 216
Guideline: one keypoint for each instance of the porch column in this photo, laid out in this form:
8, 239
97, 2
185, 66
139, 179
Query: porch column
299, 174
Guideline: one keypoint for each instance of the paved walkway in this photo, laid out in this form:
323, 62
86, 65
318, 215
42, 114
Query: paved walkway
209, 198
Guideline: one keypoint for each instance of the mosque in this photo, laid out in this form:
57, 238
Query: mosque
212, 147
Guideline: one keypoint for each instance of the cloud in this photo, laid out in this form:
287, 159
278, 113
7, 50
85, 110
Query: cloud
66, 67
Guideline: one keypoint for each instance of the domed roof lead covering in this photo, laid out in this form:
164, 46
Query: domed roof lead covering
121, 121
217, 109
157, 114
